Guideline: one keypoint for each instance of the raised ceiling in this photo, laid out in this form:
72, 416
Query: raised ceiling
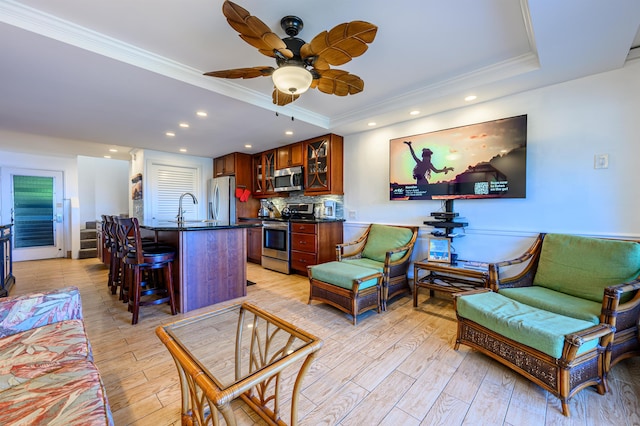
122, 73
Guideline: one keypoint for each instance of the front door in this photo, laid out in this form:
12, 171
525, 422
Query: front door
36, 205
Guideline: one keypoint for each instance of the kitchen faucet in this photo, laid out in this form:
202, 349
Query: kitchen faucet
180, 211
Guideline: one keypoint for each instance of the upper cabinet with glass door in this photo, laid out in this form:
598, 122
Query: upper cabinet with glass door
323, 165
264, 165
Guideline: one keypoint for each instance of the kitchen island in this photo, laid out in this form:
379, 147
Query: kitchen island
210, 264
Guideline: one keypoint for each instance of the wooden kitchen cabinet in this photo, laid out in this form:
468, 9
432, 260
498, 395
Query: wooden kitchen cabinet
238, 164
225, 165
264, 166
313, 243
254, 245
323, 163
289, 156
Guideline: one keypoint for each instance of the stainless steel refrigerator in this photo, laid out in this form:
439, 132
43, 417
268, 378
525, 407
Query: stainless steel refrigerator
221, 202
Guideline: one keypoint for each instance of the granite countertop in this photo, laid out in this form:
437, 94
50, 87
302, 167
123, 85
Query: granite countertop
192, 225
280, 219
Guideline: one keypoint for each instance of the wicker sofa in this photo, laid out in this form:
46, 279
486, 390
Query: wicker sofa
47, 374
563, 321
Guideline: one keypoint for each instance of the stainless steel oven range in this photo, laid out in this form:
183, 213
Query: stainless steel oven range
275, 246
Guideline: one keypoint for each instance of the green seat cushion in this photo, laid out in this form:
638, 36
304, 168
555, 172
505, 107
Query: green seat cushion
554, 301
367, 263
383, 238
343, 274
584, 267
537, 328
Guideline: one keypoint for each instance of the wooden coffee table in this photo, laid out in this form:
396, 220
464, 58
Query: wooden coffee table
236, 352
450, 278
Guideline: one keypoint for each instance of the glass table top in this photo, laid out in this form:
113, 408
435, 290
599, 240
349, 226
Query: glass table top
233, 343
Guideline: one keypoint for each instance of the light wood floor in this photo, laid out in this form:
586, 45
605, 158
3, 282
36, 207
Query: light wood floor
396, 368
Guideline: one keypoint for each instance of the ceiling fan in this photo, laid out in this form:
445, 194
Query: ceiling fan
301, 65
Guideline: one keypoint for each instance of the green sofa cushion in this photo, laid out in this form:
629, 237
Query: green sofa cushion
554, 301
343, 274
537, 328
584, 267
366, 263
383, 238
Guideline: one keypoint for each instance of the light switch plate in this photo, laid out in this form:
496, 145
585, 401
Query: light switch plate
601, 161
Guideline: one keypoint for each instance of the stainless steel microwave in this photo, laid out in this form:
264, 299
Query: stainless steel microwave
289, 179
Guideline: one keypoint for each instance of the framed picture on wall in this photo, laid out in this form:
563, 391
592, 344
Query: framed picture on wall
439, 250
136, 187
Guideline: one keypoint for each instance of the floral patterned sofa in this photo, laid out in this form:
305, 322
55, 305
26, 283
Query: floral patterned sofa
47, 373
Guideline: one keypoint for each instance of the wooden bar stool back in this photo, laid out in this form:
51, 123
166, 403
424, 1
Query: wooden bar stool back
140, 264
111, 243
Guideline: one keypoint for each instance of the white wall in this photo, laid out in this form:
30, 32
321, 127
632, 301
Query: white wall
568, 124
103, 187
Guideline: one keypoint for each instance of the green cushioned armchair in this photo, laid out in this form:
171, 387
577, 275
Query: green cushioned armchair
386, 248
592, 279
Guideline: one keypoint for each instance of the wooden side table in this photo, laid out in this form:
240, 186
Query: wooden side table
450, 278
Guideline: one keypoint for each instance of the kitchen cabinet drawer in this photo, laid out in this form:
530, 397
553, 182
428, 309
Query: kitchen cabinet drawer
313, 243
300, 260
303, 242
303, 228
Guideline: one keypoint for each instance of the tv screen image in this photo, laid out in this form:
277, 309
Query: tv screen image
483, 160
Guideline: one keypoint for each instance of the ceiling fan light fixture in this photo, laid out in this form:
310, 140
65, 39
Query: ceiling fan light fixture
292, 79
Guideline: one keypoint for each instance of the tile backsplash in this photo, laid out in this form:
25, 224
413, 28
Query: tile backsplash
298, 198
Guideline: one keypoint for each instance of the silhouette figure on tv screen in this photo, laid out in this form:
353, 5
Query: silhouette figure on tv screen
424, 167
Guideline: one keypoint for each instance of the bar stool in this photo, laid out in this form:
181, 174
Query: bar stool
111, 243
139, 262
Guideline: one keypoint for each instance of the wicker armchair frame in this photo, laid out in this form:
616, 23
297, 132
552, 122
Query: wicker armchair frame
621, 317
564, 376
394, 275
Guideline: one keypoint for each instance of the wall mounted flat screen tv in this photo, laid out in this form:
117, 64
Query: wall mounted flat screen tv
483, 160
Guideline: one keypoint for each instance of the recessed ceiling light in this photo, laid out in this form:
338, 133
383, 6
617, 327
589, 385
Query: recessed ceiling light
288, 132
371, 123
470, 98
414, 112
113, 150
170, 134
201, 113
107, 156
183, 149
247, 146
184, 125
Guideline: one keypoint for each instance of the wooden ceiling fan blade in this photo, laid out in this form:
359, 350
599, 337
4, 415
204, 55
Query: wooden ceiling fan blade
281, 99
252, 29
338, 82
242, 72
343, 43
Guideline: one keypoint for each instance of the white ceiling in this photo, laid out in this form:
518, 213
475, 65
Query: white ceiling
121, 73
